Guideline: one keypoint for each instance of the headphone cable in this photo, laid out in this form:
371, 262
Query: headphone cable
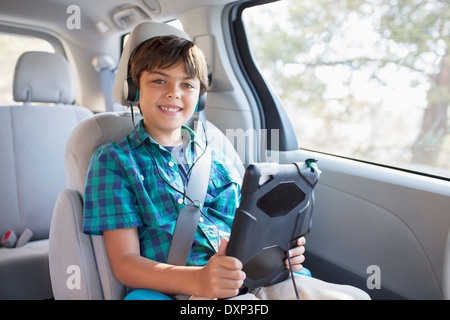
195, 203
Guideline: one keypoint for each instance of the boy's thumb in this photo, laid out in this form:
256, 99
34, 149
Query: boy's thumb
223, 247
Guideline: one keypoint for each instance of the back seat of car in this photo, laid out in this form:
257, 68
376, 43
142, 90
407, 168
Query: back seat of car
33, 137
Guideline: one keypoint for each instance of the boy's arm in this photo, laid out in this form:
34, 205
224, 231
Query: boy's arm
220, 278
135, 271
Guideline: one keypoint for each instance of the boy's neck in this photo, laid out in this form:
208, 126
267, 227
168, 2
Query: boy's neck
167, 139
170, 142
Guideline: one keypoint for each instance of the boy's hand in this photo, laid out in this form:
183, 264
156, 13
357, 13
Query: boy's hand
296, 254
222, 276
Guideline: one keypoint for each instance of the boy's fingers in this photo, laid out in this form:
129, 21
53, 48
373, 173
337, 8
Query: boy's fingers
295, 261
296, 251
230, 263
301, 241
228, 293
223, 247
234, 276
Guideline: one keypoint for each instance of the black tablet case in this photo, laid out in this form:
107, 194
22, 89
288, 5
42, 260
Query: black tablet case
272, 215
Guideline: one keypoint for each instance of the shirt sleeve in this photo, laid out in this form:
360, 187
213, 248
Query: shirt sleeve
109, 199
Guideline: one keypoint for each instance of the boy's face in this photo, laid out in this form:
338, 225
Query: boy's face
168, 98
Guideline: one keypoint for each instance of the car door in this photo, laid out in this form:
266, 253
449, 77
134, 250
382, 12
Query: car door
360, 88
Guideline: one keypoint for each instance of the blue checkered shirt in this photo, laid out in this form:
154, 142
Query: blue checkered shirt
123, 189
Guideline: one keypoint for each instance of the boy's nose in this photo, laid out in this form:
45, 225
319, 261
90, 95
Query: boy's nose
173, 93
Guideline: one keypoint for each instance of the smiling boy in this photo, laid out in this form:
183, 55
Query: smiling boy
127, 199
132, 194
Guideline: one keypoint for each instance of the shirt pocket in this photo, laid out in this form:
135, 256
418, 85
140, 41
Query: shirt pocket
152, 197
220, 180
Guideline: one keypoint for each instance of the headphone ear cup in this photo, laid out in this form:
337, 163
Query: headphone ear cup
201, 103
130, 92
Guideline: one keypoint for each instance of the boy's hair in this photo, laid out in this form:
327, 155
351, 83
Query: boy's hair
167, 52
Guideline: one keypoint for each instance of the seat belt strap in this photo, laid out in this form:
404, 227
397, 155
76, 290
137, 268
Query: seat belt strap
188, 217
105, 65
107, 81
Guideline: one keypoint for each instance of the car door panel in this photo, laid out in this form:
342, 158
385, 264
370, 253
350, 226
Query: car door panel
367, 215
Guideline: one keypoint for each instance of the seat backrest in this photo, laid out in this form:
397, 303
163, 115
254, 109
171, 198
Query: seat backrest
32, 142
69, 246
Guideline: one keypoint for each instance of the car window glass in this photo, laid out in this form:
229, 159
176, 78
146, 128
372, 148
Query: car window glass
367, 80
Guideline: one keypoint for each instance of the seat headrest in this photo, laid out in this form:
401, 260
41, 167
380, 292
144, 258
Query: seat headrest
140, 33
43, 77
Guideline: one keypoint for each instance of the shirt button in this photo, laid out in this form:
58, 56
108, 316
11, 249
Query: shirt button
201, 219
170, 164
180, 200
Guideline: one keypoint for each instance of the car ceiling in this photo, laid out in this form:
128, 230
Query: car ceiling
50, 18
52, 14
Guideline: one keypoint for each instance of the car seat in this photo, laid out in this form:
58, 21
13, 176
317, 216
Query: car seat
79, 265
32, 142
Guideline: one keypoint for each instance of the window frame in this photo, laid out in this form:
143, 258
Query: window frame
21, 31
273, 115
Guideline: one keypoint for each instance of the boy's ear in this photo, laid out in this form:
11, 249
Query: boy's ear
130, 91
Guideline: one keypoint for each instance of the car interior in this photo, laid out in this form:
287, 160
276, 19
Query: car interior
381, 218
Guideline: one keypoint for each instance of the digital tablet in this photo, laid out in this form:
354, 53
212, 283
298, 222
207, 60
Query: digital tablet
275, 210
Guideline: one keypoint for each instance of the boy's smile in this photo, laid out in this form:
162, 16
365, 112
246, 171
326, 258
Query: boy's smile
167, 99
170, 109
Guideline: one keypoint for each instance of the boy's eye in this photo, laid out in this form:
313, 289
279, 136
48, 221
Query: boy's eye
159, 81
189, 85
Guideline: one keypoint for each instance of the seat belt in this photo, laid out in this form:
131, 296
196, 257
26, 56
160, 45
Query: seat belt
107, 81
188, 218
105, 65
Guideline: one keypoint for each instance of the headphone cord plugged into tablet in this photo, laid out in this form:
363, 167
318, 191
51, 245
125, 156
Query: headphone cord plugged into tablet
183, 193
292, 277
307, 231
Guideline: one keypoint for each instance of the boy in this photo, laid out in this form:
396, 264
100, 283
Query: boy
134, 191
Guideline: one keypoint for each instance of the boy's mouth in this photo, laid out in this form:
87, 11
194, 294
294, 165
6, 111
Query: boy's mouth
170, 108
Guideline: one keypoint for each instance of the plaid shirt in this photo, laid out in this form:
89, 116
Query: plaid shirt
123, 189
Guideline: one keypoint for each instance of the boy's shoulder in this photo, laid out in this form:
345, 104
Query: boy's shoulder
113, 149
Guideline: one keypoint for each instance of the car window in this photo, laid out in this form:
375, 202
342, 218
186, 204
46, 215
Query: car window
11, 48
368, 80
